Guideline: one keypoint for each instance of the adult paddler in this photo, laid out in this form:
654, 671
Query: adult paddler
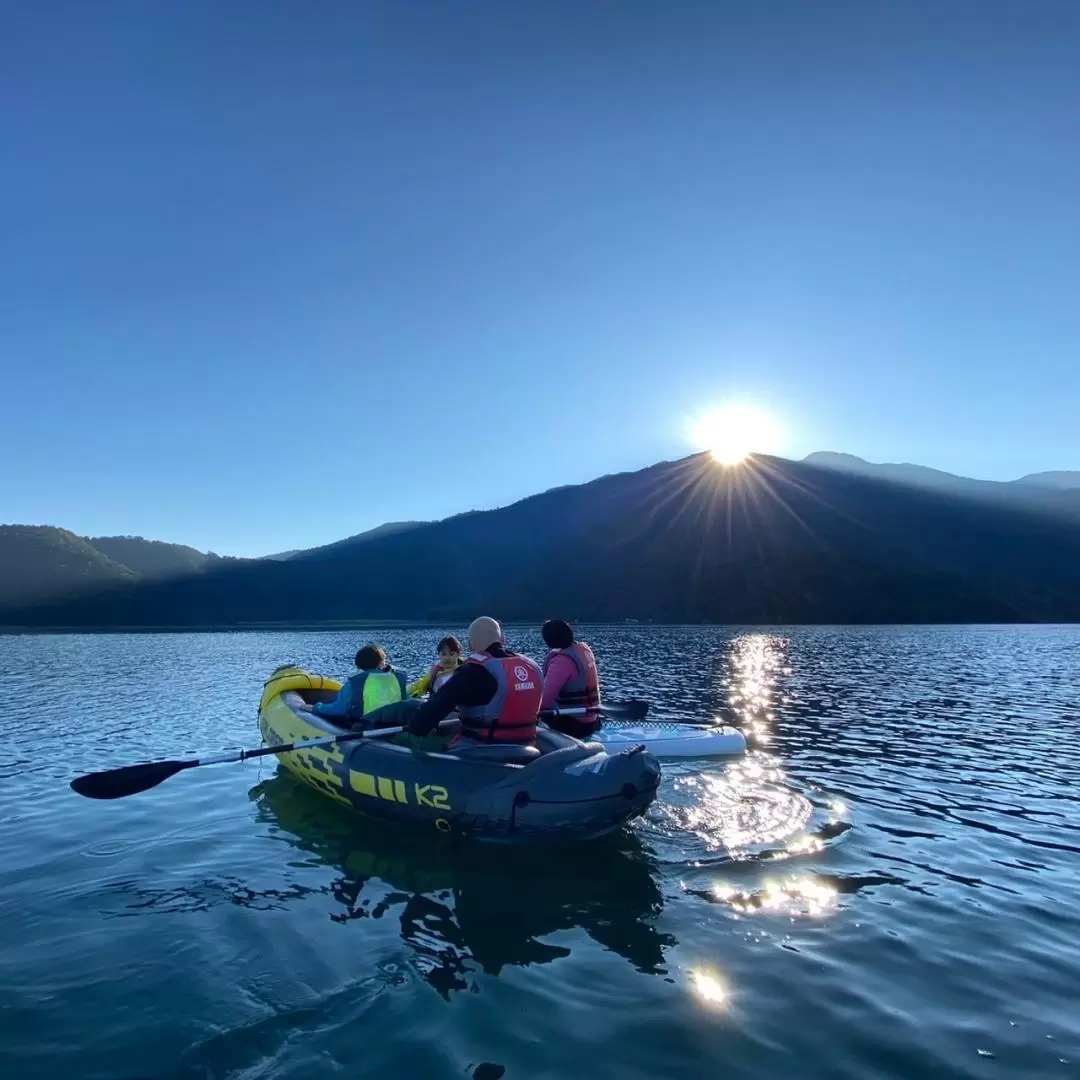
571, 680
496, 693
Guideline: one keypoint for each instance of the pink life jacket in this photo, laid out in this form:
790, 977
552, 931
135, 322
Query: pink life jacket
583, 690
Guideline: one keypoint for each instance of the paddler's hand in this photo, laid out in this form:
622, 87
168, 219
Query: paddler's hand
419, 724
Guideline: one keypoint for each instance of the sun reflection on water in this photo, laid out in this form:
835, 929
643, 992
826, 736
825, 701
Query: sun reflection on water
743, 808
755, 662
805, 844
797, 895
708, 987
748, 810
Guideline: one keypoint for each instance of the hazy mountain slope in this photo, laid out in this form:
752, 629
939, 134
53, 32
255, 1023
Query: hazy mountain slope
152, 558
904, 473
389, 528
1052, 493
1054, 481
38, 562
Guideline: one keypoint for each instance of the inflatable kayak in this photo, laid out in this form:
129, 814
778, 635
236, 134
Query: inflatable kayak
559, 789
673, 740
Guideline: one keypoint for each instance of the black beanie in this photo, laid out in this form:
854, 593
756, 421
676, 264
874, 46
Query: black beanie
557, 633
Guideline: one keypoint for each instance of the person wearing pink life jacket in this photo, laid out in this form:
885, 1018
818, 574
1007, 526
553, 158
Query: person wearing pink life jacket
571, 680
496, 693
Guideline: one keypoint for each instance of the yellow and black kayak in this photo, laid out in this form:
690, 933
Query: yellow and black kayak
558, 789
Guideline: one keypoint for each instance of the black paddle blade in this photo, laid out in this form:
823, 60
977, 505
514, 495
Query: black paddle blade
627, 711
130, 780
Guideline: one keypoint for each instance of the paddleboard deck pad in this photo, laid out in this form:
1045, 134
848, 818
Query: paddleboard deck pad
669, 740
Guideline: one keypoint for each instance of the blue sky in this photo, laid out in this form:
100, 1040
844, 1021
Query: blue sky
273, 273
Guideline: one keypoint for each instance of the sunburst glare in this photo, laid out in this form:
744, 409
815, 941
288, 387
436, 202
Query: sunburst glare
734, 431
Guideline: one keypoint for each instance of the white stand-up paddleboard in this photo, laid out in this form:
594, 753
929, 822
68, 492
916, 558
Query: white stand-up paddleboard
673, 740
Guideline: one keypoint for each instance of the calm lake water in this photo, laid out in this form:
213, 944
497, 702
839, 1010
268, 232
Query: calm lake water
887, 886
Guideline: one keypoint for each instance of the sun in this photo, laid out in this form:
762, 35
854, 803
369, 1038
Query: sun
733, 431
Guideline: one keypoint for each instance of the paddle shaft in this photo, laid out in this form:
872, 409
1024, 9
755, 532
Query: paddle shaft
348, 736
307, 744
131, 779
329, 740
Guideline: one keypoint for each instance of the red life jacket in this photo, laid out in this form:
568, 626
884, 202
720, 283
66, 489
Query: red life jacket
583, 690
511, 714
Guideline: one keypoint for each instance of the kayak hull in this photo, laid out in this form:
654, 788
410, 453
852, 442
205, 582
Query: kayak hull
674, 740
569, 791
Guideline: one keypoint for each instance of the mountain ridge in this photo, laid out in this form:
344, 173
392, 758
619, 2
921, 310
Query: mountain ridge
1054, 494
772, 541
1058, 480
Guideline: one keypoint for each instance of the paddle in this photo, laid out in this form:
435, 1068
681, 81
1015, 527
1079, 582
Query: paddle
620, 712
131, 779
635, 711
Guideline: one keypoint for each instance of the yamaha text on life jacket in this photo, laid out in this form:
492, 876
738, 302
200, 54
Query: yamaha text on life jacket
511, 714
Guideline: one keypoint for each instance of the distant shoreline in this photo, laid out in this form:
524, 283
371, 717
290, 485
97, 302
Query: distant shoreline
227, 628
299, 626
416, 624
302, 626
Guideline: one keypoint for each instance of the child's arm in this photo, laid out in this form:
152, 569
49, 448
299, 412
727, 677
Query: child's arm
337, 708
420, 687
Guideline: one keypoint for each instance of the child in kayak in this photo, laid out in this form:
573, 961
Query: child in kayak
450, 659
375, 685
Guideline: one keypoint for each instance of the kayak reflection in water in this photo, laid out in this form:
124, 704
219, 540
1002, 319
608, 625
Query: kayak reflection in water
452, 900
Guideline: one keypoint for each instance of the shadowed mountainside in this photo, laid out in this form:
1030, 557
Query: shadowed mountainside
39, 563
152, 558
773, 541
